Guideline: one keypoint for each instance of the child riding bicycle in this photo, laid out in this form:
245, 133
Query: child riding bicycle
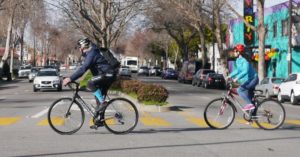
245, 74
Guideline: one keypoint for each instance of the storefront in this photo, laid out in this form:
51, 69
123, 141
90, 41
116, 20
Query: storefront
276, 52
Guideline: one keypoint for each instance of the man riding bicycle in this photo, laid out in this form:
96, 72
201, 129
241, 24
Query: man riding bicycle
245, 74
103, 73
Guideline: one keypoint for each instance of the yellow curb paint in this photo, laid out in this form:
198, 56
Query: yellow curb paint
149, 120
56, 121
294, 122
9, 120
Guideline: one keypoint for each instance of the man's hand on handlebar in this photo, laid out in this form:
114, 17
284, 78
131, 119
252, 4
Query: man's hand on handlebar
66, 81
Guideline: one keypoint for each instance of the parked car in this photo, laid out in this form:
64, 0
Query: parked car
269, 86
47, 79
200, 76
214, 80
289, 89
125, 71
143, 70
156, 71
33, 73
24, 71
189, 68
170, 74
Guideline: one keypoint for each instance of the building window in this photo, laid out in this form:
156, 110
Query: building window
267, 31
275, 30
285, 27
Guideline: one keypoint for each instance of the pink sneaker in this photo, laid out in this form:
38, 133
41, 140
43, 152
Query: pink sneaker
248, 107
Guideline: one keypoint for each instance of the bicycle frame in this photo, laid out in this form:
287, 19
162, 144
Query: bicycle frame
231, 96
77, 98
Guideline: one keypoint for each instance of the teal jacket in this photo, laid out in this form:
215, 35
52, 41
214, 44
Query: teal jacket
243, 70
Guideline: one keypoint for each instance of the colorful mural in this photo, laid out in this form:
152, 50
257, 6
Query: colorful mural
276, 19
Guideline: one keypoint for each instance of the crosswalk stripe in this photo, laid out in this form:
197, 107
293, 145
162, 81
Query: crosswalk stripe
243, 121
55, 121
149, 120
194, 120
9, 120
294, 122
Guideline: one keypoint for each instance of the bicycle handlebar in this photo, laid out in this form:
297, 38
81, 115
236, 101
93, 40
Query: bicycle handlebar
76, 85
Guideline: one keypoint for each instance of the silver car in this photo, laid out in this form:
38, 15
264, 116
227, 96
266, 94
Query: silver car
47, 79
270, 86
125, 71
33, 73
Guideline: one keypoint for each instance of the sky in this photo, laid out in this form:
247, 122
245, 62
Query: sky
268, 3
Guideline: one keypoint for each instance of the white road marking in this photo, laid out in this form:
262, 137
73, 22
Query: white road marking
40, 113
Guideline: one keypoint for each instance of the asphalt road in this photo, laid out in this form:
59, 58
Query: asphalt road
178, 133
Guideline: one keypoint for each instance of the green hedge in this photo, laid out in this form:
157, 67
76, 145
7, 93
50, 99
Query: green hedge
149, 94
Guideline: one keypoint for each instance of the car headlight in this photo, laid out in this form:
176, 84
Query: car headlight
56, 81
36, 81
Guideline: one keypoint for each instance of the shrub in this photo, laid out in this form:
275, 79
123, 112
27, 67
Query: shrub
131, 86
152, 92
87, 76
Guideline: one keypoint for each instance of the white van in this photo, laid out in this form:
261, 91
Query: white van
131, 62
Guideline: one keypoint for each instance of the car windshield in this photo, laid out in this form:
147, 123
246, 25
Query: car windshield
208, 71
47, 73
28, 67
131, 62
144, 68
277, 80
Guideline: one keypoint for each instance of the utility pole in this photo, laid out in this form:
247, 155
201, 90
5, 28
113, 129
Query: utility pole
289, 57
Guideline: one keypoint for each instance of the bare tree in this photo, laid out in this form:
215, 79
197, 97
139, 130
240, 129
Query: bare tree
101, 20
261, 31
165, 18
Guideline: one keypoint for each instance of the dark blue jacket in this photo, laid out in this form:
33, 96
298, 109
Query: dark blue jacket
93, 61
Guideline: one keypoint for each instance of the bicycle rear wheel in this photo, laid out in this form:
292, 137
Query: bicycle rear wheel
62, 121
120, 116
270, 115
219, 114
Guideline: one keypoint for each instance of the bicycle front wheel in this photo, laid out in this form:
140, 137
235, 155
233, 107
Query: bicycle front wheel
65, 117
120, 116
270, 115
219, 113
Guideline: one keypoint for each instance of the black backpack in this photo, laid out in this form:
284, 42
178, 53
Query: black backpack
110, 58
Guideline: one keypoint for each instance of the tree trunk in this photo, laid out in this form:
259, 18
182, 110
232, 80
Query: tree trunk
261, 35
219, 38
203, 48
9, 31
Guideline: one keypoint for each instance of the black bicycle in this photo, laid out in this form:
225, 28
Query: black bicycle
268, 114
66, 115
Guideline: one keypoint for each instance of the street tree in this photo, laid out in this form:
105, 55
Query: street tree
260, 30
101, 20
165, 18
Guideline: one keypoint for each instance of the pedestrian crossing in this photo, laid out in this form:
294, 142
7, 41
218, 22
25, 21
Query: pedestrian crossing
146, 119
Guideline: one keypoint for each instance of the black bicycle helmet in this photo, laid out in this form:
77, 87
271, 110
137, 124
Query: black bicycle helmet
84, 42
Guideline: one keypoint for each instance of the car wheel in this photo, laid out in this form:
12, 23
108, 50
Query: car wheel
205, 85
34, 89
279, 97
293, 99
59, 88
267, 94
193, 83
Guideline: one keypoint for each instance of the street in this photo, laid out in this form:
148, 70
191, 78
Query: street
181, 132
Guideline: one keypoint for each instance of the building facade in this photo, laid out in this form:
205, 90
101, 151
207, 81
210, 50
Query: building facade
277, 40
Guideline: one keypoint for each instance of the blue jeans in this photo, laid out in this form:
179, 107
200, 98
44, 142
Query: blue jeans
246, 90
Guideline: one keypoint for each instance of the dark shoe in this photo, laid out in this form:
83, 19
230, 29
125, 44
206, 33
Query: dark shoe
98, 123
